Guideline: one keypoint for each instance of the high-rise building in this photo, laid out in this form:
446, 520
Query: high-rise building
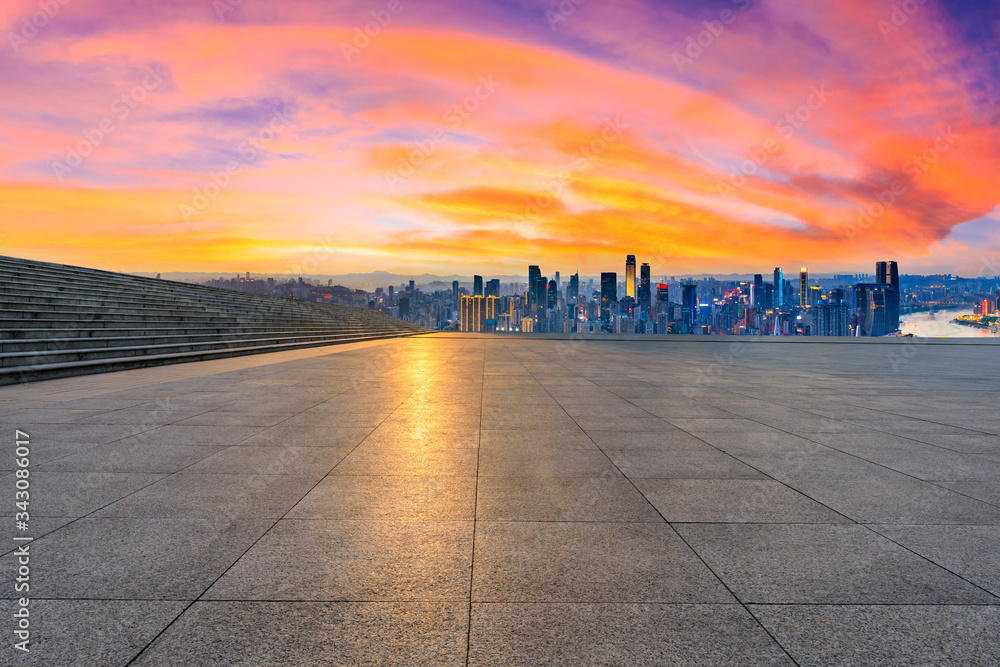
803, 287
887, 273
492, 287
477, 285
831, 317
558, 283
645, 296
552, 297
412, 286
609, 294
534, 273
404, 308
473, 311
779, 288
689, 307
573, 296
662, 299
630, 276
539, 298
758, 292
491, 307
873, 301
454, 292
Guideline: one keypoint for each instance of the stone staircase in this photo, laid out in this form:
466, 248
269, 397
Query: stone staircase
58, 321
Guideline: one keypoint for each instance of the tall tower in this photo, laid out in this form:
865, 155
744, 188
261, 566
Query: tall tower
804, 287
779, 288
609, 293
887, 273
645, 295
574, 288
534, 273
477, 285
630, 276
689, 306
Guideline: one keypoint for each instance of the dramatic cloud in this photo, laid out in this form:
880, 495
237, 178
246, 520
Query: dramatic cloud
713, 136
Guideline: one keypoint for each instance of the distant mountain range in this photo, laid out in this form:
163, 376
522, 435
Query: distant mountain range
369, 281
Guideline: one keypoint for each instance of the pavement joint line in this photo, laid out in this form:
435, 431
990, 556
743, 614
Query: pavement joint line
688, 544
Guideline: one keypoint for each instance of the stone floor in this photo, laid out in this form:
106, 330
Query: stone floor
454, 500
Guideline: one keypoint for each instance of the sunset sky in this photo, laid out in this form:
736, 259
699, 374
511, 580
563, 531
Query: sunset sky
708, 136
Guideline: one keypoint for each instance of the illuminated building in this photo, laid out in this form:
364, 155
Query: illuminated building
645, 296
831, 318
887, 273
689, 307
609, 294
804, 287
574, 289
472, 313
779, 287
630, 276
534, 273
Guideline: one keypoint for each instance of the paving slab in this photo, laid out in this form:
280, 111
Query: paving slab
456, 499
353, 561
833, 635
823, 564
96, 632
314, 633
531, 634
588, 562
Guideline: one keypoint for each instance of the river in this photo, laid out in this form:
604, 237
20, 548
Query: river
941, 325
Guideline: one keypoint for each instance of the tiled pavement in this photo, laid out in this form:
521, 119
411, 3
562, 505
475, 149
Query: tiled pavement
494, 501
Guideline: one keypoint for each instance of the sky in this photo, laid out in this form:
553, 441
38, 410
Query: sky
476, 136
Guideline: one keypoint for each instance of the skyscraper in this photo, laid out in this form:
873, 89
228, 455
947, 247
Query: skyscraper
887, 273
538, 297
831, 317
645, 297
533, 274
492, 287
477, 285
609, 294
803, 287
873, 302
454, 292
779, 288
689, 307
472, 315
573, 296
630, 276
552, 298
758, 292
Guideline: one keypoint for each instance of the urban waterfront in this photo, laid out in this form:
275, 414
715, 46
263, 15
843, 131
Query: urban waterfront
938, 324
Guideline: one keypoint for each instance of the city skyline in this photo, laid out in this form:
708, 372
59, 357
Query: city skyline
222, 136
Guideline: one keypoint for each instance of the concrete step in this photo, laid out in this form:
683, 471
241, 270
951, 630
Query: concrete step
58, 320
34, 357
89, 342
143, 331
38, 372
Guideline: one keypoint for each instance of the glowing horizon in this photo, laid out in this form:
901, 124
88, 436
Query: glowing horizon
728, 136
